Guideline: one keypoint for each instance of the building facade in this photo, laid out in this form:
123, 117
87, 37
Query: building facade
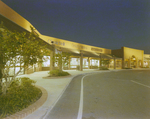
131, 58
85, 56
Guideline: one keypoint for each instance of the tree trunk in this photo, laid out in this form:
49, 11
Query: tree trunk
1, 81
60, 61
1, 69
60, 64
1, 75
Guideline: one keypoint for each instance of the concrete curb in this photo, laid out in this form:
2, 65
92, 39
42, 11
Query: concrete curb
25, 112
48, 77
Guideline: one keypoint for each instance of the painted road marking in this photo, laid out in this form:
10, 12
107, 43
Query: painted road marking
81, 100
80, 111
140, 84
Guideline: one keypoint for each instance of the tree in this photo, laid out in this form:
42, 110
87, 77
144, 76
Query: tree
23, 48
104, 62
62, 59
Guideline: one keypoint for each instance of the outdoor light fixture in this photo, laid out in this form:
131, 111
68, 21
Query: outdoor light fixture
52, 42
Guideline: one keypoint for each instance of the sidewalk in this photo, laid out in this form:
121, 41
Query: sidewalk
54, 87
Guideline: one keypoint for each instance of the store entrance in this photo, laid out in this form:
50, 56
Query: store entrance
133, 62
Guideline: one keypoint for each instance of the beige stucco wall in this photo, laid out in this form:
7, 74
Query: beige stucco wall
146, 56
129, 52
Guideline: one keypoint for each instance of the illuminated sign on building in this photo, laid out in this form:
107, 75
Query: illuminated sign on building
57, 42
79, 46
96, 49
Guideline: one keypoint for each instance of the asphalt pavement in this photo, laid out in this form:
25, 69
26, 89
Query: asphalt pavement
54, 86
107, 87
117, 95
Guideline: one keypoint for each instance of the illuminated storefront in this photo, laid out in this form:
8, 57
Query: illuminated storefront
131, 58
74, 62
85, 56
147, 60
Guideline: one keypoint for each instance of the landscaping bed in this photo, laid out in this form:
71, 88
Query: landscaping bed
57, 73
20, 95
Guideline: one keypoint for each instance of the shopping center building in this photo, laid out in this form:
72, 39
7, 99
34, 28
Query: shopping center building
85, 56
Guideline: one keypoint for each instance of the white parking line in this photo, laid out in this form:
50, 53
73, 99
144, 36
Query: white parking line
81, 97
140, 84
81, 100
81, 94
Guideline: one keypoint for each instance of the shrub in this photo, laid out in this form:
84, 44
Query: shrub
103, 68
0, 74
0, 81
127, 68
58, 72
20, 95
27, 82
78, 67
0, 89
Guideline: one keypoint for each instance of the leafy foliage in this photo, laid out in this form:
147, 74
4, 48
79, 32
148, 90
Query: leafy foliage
58, 72
62, 59
20, 95
0, 90
104, 62
127, 68
24, 49
103, 68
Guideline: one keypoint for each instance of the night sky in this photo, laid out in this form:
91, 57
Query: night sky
104, 23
